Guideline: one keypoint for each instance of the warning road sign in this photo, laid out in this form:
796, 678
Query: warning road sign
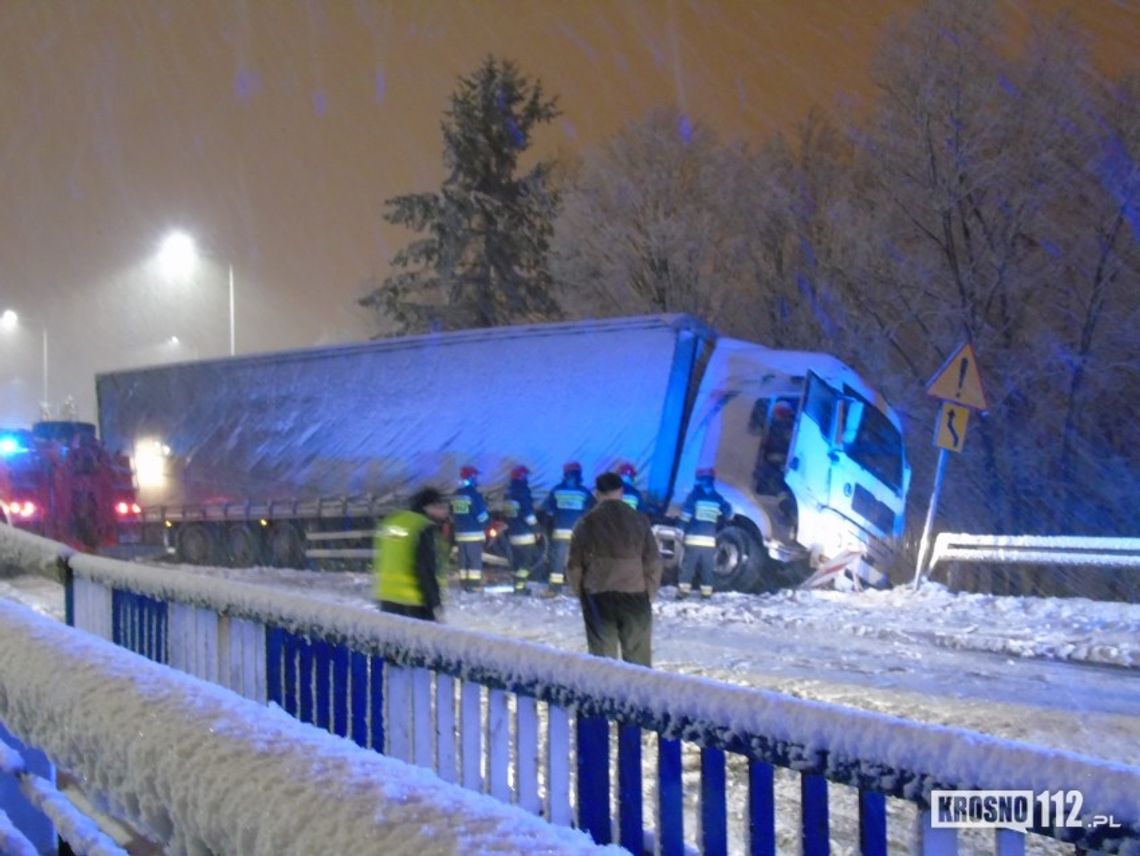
960, 381
950, 430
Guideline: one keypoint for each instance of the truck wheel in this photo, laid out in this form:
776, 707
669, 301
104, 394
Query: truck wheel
243, 549
740, 561
286, 546
196, 545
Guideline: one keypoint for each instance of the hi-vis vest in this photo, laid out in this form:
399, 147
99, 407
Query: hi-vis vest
394, 560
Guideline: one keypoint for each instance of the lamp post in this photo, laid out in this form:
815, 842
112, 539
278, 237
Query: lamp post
10, 320
179, 254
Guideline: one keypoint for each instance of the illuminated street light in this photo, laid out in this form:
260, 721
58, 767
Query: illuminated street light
10, 320
178, 255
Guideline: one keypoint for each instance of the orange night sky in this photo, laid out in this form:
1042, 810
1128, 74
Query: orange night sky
274, 130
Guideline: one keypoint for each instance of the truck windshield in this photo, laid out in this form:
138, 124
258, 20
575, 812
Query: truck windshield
877, 444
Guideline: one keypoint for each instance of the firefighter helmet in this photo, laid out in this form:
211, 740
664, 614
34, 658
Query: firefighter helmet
571, 467
519, 473
706, 473
468, 472
627, 471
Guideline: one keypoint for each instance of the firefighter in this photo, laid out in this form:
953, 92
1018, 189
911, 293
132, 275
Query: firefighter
406, 565
631, 496
521, 523
704, 513
565, 504
469, 513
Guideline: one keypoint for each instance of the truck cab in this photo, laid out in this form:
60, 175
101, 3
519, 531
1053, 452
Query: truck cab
811, 459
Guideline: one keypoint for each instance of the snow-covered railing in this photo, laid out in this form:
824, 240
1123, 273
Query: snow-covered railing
1069, 564
537, 727
200, 769
58, 814
547, 729
1037, 549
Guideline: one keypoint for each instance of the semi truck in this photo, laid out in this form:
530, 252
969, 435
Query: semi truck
289, 458
57, 480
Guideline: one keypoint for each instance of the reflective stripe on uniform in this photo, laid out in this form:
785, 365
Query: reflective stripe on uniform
523, 539
469, 536
556, 579
700, 540
563, 534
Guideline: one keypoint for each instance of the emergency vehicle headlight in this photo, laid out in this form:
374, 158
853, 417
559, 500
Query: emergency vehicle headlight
26, 509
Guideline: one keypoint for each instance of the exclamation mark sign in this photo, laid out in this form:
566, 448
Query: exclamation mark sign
962, 366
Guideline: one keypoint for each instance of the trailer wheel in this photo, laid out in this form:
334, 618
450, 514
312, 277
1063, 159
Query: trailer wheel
286, 545
196, 545
741, 562
243, 549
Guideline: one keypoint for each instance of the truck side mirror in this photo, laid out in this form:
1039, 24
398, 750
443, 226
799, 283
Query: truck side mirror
850, 416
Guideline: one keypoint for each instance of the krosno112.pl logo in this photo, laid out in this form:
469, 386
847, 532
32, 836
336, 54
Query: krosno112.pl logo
1016, 810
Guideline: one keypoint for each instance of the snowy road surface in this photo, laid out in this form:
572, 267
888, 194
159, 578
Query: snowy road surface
1059, 672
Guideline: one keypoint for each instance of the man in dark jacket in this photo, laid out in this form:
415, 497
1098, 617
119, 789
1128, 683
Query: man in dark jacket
406, 566
615, 570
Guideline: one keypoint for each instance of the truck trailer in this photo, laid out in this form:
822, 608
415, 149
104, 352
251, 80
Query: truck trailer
290, 458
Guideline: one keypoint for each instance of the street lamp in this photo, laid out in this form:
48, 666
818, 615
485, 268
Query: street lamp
178, 254
10, 320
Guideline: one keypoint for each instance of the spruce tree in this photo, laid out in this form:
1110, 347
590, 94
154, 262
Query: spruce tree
481, 258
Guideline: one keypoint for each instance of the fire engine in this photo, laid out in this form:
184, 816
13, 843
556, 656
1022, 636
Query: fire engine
57, 480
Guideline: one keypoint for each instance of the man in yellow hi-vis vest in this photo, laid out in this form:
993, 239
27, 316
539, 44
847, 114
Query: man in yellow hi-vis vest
406, 566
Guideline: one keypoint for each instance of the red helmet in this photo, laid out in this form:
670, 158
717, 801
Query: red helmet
706, 473
627, 470
468, 472
519, 473
571, 467
782, 409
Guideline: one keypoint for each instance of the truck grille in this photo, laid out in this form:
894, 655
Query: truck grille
865, 505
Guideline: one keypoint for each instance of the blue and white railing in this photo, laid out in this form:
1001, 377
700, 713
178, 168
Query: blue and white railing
563, 735
594, 743
163, 760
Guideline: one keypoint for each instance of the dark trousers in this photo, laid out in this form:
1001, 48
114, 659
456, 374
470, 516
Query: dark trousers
619, 619
406, 610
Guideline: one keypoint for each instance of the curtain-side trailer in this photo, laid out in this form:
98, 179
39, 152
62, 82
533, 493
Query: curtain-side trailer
289, 458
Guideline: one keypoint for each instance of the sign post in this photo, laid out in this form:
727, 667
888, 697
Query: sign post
959, 386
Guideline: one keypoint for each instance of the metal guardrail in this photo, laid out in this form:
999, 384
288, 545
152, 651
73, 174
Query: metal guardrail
541, 728
1036, 549
502, 716
58, 814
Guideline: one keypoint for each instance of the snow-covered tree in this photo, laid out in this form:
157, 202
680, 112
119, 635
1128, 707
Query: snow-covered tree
656, 219
999, 198
481, 259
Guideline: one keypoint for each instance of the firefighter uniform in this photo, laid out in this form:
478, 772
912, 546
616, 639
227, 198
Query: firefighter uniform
565, 504
630, 495
521, 523
705, 511
469, 516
